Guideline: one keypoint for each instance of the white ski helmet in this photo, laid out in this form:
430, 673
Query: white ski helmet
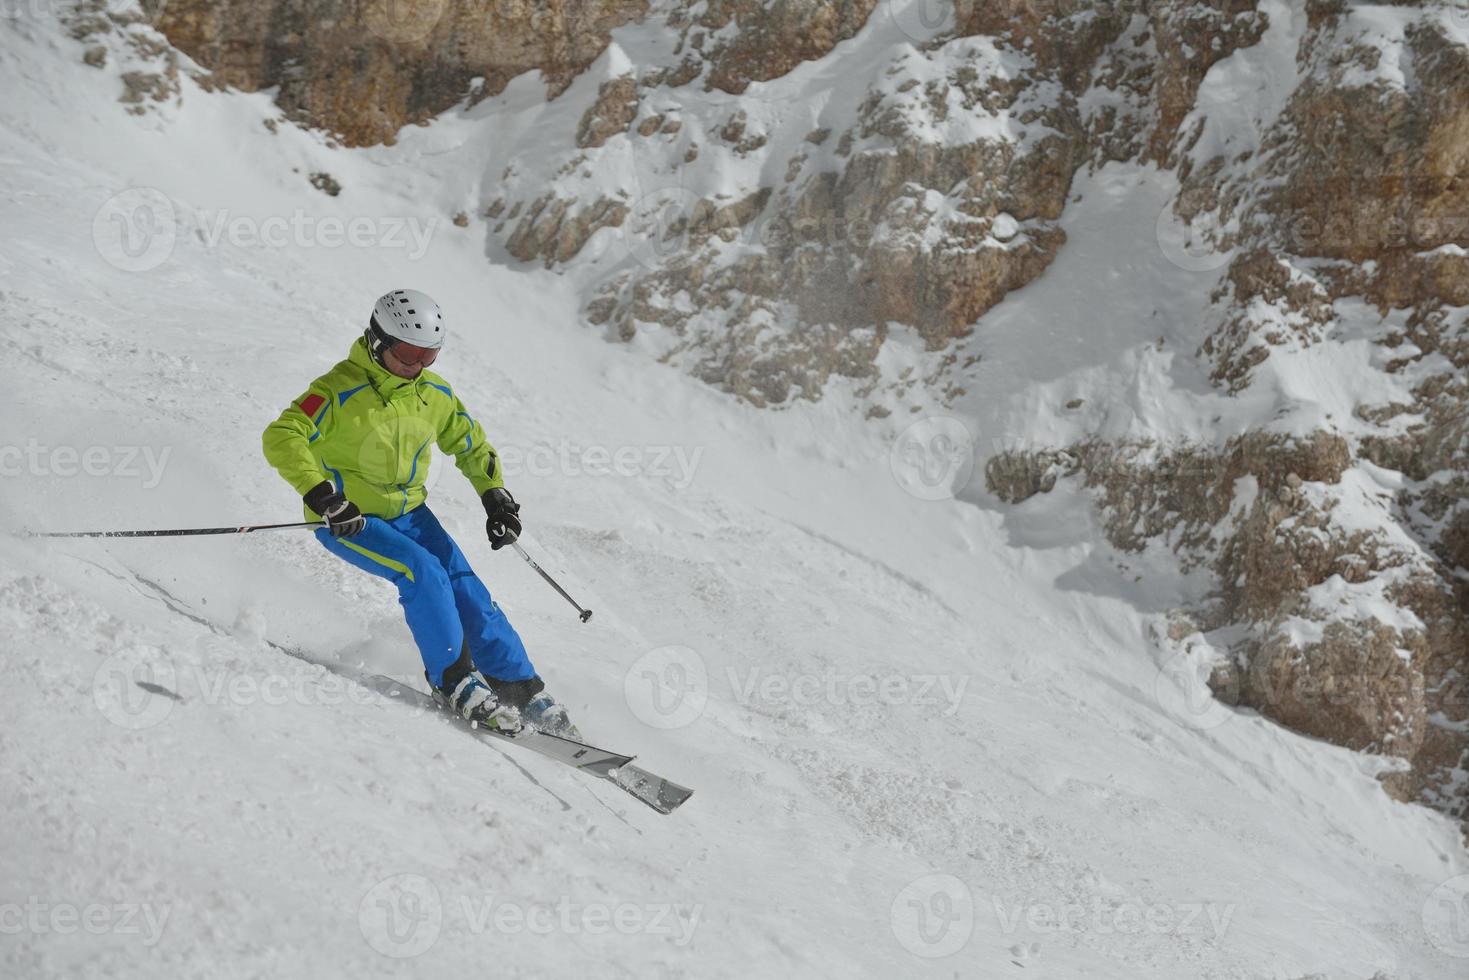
405, 315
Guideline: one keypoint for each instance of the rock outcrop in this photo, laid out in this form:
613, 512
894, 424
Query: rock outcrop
363, 69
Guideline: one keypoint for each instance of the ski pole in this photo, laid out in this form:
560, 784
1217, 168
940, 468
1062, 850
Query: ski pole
183, 532
586, 614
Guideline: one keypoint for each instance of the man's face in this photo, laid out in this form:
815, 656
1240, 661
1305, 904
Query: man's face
406, 361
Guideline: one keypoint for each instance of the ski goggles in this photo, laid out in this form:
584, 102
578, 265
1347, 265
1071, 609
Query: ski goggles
411, 355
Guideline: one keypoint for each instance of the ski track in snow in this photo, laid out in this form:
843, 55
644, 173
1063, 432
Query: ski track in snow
268, 809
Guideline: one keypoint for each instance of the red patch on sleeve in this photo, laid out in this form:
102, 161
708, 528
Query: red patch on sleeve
311, 404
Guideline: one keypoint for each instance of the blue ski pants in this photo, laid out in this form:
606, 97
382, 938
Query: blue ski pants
445, 603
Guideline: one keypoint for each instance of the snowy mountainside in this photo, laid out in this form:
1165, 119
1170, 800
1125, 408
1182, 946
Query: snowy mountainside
1029, 796
800, 201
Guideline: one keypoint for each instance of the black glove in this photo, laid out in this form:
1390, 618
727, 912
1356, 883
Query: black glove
343, 518
503, 527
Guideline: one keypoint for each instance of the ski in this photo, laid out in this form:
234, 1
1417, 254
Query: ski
652, 790
661, 794
578, 755
647, 788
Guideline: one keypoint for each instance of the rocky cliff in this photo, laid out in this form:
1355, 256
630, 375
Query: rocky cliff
363, 69
1341, 599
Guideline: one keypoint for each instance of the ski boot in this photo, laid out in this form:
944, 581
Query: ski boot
541, 711
474, 701
546, 714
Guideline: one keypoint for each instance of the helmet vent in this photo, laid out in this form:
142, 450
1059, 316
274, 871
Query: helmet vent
404, 314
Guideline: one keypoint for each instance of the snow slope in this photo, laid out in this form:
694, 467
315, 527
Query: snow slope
918, 748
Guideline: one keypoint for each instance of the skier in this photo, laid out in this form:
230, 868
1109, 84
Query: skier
357, 446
